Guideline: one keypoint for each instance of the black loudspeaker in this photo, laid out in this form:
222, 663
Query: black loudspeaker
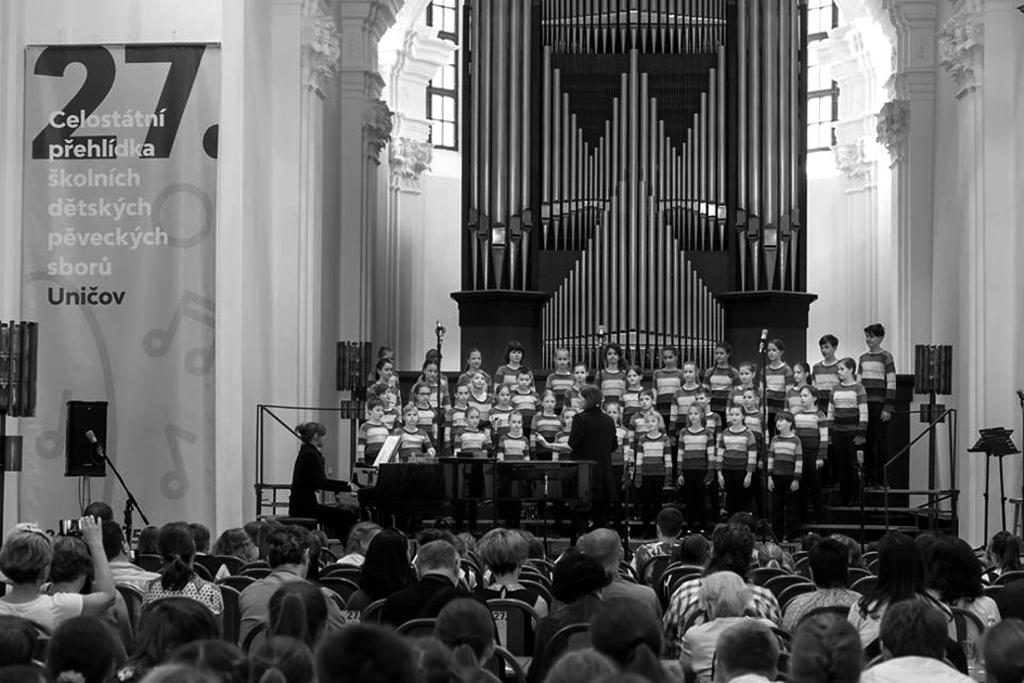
82, 456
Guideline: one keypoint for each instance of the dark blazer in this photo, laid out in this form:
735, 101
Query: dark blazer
422, 600
308, 477
593, 438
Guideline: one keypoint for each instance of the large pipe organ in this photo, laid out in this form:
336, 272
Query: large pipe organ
636, 161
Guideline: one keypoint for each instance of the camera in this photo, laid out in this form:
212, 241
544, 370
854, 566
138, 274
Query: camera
69, 527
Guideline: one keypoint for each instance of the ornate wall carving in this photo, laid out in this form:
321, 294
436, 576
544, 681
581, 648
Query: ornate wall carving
376, 127
409, 159
893, 127
960, 43
321, 45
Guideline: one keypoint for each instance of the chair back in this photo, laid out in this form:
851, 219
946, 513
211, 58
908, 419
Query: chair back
528, 572
541, 588
544, 566
343, 571
256, 635
777, 584
627, 572
472, 569
803, 567
567, 639
992, 591
798, 554
1009, 577
232, 616
255, 572
653, 568
239, 582
202, 572
865, 584
671, 578
515, 622
761, 575
371, 613
233, 564
969, 629
132, 597
255, 564
151, 563
869, 557
417, 628
856, 573
791, 592
506, 666
340, 585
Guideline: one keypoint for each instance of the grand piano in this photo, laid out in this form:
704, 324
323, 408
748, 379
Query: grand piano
428, 489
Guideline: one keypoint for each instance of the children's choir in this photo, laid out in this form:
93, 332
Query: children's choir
696, 438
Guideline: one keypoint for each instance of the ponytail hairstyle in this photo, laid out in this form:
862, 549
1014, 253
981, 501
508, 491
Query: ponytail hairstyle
224, 660
281, 659
826, 649
177, 550
630, 637
307, 431
466, 626
1004, 551
298, 610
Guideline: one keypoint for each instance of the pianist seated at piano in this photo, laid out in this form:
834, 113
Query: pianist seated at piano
415, 445
309, 476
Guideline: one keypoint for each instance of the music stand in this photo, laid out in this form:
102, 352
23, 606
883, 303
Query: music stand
994, 442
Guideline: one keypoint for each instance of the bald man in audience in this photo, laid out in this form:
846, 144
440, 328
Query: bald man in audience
605, 546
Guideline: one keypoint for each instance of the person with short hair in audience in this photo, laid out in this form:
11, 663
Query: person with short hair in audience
503, 553
581, 666
288, 554
177, 577
900, 577
724, 597
298, 609
200, 537
25, 559
1003, 554
17, 640
954, 577
147, 543
163, 627
122, 569
99, 509
1010, 600
236, 543
83, 650
693, 551
281, 660
1002, 648
826, 649
221, 659
437, 565
732, 551
828, 563
576, 585
747, 652
467, 627
853, 547
605, 546
358, 543
669, 524
772, 556
385, 571
913, 636
365, 653
632, 638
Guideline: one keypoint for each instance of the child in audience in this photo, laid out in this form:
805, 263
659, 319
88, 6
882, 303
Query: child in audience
720, 379
501, 412
416, 443
811, 427
372, 433
667, 381
631, 396
545, 426
877, 372
785, 467
654, 465
479, 394
825, 373
778, 377
685, 394
696, 459
801, 379
524, 398
612, 377
474, 364
561, 379
737, 459
848, 415
506, 374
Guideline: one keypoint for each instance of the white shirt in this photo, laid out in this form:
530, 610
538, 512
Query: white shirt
46, 610
913, 670
352, 560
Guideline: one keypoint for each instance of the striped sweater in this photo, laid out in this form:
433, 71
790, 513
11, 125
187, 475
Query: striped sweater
630, 403
777, 381
413, 445
654, 455
666, 383
425, 417
683, 399
562, 439
473, 443
483, 404
513, 448
696, 449
547, 426
737, 450
812, 428
785, 456
526, 403
612, 383
825, 377
624, 439
736, 396
369, 440
639, 422
793, 401
391, 418
719, 382
848, 410
558, 382
877, 373
506, 375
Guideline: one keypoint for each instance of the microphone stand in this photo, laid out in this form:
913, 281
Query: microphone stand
439, 331
130, 502
762, 455
860, 481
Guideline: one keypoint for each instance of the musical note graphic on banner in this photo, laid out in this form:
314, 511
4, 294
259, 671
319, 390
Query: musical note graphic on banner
50, 443
198, 361
174, 484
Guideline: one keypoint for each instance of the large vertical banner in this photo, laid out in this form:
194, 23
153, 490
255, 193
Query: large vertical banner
118, 265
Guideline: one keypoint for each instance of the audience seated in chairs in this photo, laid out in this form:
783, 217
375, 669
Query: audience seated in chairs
826, 649
669, 524
1002, 649
164, 626
177, 577
233, 543
84, 646
288, 553
148, 541
25, 558
747, 652
200, 538
605, 546
437, 564
954, 577
1003, 554
772, 556
18, 638
581, 666
364, 653
358, 543
632, 638
913, 636
732, 551
900, 577
723, 598
385, 571
694, 550
466, 626
121, 568
299, 610
503, 552
281, 660
828, 562
222, 660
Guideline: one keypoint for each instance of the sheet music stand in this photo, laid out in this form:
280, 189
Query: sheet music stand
994, 442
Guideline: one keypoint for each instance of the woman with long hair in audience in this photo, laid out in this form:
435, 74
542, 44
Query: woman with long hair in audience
1003, 554
503, 553
236, 543
467, 627
632, 636
147, 543
297, 609
26, 557
366, 653
214, 656
164, 626
386, 570
83, 650
826, 649
901, 573
281, 660
954, 577
177, 577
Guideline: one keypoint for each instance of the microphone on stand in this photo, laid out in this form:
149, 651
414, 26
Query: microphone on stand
1020, 395
860, 458
764, 341
91, 438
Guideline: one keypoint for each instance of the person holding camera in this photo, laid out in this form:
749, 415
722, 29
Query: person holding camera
25, 560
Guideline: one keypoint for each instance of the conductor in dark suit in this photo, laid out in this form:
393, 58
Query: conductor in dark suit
593, 438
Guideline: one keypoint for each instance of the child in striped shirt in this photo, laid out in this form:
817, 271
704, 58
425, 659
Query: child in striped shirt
506, 374
545, 426
647, 412
748, 379
524, 398
825, 373
560, 446
612, 377
514, 445
416, 444
667, 381
778, 377
848, 415
391, 415
703, 399
432, 377
877, 372
720, 379
696, 462
631, 396
623, 437
372, 433
386, 378
501, 412
754, 421
811, 427
801, 379
685, 394
654, 465
737, 458
455, 419
474, 364
561, 379
471, 442
785, 466
479, 394
425, 415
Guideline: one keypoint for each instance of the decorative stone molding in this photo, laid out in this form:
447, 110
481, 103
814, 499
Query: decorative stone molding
961, 41
893, 127
854, 163
376, 127
321, 45
409, 159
